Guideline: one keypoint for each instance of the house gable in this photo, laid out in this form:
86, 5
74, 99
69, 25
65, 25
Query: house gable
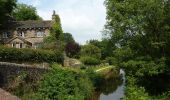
18, 42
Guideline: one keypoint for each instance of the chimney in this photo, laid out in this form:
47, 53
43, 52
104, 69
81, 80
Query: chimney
53, 16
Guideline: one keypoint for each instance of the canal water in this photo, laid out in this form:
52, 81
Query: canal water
112, 89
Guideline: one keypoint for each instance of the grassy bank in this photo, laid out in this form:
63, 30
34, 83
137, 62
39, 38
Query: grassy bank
63, 83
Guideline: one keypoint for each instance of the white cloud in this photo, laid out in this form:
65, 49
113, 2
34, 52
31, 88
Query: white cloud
31, 2
36, 2
83, 18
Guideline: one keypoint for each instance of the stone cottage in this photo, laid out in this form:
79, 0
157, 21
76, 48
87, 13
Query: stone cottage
26, 34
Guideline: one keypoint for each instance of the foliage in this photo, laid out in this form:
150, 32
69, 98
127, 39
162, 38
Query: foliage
67, 38
91, 50
24, 85
63, 84
141, 26
6, 7
135, 93
111, 60
87, 60
105, 45
49, 39
140, 29
139, 68
55, 46
94, 77
72, 49
25, 12
123, 54
29, 55
53, 40
56, 30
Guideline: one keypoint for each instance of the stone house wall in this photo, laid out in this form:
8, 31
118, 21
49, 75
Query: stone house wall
30, 35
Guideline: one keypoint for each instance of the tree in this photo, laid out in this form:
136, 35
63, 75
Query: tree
25, 12
56, 30
142, 27
67, 37
6, 7
105, 45
53, 41
91, 50
72, 49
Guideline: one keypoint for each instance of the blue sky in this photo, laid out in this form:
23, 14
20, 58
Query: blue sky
84, 19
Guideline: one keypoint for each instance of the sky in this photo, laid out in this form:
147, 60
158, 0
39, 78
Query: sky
84, 19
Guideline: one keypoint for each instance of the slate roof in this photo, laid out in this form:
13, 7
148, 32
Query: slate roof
34, 24
28, 24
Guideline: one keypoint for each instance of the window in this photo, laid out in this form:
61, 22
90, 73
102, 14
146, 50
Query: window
5, 35
14, 45
37, 45
21, 34
21, 45
40, 34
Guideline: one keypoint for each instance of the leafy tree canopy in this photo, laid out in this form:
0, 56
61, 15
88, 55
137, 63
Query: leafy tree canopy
6, 7
91, 50
72, 49
141, 29
141, 24
56, 30
105, 45
25, 12
53, 41
67, 37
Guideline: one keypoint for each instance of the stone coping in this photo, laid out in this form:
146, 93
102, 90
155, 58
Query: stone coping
23, 65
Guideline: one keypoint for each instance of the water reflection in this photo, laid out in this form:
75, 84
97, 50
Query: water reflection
111, 89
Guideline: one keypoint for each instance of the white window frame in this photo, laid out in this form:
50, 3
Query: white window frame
21, 34
14, 45
40, 34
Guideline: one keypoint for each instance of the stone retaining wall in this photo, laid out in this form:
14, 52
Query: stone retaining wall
8, 71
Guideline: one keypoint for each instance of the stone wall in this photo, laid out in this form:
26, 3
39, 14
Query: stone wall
29, 35
70, 62
9, 71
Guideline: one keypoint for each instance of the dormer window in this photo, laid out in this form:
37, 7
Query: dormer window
40, 34
21, 34
5, 35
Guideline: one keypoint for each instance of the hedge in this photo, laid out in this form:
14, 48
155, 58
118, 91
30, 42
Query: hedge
29, 55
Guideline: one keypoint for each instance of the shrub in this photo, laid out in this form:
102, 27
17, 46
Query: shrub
64, 84
140, 68
136, 93
97, 79
133, 92
72, 49
111, 60
29, 55
90, 60
91, 50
